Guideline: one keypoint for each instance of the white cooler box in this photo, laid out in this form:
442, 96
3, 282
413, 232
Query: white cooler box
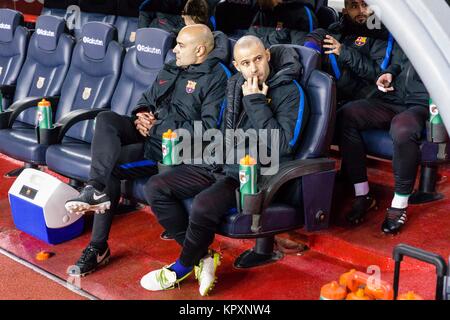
37, 204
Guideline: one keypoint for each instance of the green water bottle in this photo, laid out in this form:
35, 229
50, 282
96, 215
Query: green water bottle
169, 141
45, 114
247, 177
436, 131
1, 102
435, 117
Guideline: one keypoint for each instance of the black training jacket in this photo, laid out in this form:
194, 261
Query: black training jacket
287, 23
362, 55
409, 88
285, 107
178, 97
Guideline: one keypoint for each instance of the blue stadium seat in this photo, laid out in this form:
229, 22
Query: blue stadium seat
311, 171
13, 50
140, 68
327, 16
127, 21
90, 82
57, 8
42, 75
98, 11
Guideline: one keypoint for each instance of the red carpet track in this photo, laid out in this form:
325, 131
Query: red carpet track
137, 249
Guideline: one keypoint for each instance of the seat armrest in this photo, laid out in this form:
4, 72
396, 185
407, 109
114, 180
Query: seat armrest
10, 115
292, 170
72, 118
258, 203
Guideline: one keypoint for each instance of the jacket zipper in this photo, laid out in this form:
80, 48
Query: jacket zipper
408, 75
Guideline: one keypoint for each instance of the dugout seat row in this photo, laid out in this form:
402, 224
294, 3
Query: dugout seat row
288, 200
90, 87
87, 77
121, 13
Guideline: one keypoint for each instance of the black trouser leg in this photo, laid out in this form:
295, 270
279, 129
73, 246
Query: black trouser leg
103, 221
112, 131
353, 118
135, 168
406, 131
208, 209
165, 193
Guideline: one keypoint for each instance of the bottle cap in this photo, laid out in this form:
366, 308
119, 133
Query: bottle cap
358, 295
333, 291
169, 134
410, 296
247, 161
44, 103
43, 255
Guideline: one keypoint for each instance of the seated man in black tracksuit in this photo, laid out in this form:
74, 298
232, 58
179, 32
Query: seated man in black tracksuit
172, 15
162, 14
354, 53
262, 96
283, 21
402, 107
190, 88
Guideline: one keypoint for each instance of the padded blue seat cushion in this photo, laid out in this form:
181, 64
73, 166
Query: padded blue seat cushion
71, 158
21, 143
277, 216
378, 143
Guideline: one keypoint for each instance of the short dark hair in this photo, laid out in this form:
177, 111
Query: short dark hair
266, 4
198, 10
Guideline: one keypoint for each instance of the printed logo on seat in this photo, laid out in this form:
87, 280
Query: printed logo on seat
86, 93
40, 83
45, 33
95, 42
147, 49
132, 36
5, 26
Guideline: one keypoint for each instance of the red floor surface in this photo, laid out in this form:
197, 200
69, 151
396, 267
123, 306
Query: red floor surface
18, 282
137, 249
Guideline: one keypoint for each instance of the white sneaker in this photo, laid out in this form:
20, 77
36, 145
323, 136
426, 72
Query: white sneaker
161, 279
206, 272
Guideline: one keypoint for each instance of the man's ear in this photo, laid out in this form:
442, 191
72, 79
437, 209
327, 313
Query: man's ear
201, 51
236, 65
344, 11
268, 54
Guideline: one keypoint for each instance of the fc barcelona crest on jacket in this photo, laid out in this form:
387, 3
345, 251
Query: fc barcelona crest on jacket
361, 41
190, 87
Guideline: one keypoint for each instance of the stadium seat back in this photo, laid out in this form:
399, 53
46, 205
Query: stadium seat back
46, 64
93, 75
141, 66
13, 45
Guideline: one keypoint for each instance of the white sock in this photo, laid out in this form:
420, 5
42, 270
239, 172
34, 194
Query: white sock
362, 189
400, 201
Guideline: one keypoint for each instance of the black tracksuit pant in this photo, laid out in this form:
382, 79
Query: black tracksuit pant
214, 196
113, 134
406, 124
